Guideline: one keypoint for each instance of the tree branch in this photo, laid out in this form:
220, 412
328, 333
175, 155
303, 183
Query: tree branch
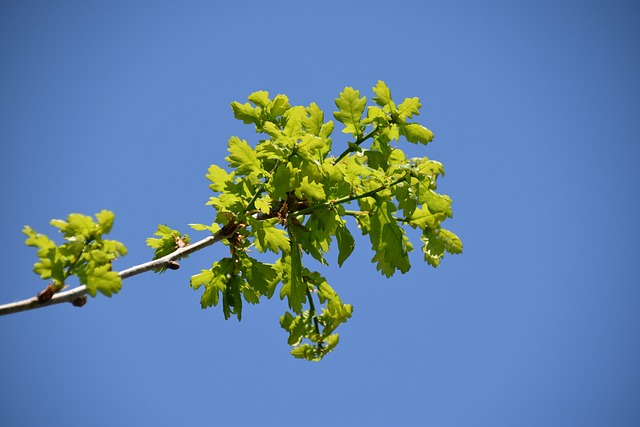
347, 199
76, 294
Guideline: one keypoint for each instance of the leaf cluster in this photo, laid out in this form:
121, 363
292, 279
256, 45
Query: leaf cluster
290, 195
85, 253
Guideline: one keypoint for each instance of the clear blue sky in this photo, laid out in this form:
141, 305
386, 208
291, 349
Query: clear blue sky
535, 106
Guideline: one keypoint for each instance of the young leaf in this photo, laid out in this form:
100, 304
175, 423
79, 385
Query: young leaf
294, 118
315, 119
214, 281
388, 240
77, 226
103, 280
295, 287
105, 221
263, 204
243, 158
346, 243
220, 178
408, 108
260, 277
351, 107
436, 242
310, 190
278, 106
452, 243
260, 98
202, 278
245, 112
268, 236
286, 178
37, 240
416, 133
383, 97
168, 241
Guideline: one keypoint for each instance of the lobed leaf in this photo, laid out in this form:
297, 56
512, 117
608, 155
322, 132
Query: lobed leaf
416, 133
267, 236
260, 98
220, 178
383, 97
408, 108
102, 279
351, 107
245, 112
243, 157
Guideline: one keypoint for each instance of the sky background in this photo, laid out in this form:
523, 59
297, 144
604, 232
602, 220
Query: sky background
123, 105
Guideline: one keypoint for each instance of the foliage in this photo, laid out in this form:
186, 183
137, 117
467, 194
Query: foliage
85, 254
290, 195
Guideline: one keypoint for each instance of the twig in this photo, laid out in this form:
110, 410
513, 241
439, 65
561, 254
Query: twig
76, 294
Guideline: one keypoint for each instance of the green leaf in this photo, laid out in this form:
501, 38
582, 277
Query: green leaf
436, 242
51, 265
298, 327
408, 108
214, 281
232, 298
422, 218
286, 178
388, 240
202, 278
294, 286
294, 118
452, 243
37, 240
260, 98
168, 241
383, 97
315, 119
272, 129
220, 178
351, 107
310, 143
278, 106
346, 243
103, 280
436, 203
336, 312
310, 190
113, 247
416, 133
263, 204
105, 221
268, 236
243, 158
245, 112
213, 228
77, 226
326, 130
306, 352
260, 277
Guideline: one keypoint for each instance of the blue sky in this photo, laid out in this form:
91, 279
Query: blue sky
535, 105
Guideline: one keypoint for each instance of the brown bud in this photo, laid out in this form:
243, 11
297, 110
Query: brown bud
173, 265
80, 301
46, 294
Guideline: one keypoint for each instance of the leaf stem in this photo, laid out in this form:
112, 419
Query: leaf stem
314, 316
357, 143
347, 199
252, 202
